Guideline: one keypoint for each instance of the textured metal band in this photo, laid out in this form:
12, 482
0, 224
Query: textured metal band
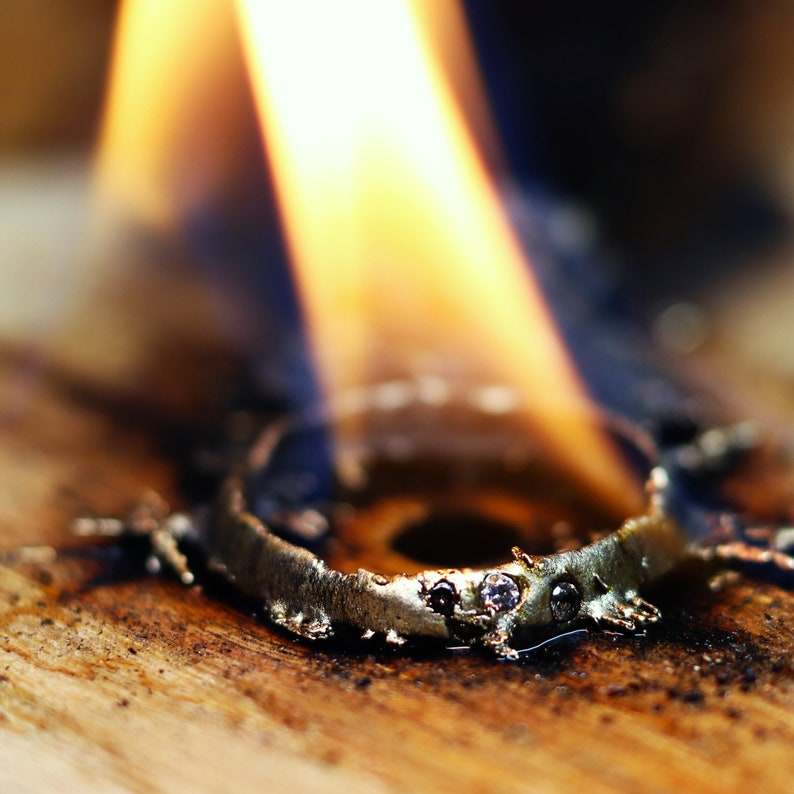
503, 608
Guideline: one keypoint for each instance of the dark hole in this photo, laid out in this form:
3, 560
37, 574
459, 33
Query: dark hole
457, 538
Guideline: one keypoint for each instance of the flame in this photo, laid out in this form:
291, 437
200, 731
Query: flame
167, 133
406, 262
405, 259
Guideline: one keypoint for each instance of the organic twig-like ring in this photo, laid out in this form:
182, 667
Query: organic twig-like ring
270, 510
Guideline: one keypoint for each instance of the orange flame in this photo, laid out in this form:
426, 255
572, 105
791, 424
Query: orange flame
406, 262
169, 124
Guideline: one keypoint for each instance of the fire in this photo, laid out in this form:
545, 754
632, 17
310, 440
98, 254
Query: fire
405, 259
167, 134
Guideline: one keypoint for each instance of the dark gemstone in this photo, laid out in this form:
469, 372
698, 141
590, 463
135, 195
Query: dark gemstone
499, 592
565, 601
443, 597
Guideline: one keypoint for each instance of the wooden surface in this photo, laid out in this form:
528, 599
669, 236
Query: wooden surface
146, 686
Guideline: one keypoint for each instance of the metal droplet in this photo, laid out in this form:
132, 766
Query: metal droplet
565, 601
442, 598
499, 592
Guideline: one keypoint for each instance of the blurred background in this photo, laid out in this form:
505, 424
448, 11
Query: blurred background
670, 122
